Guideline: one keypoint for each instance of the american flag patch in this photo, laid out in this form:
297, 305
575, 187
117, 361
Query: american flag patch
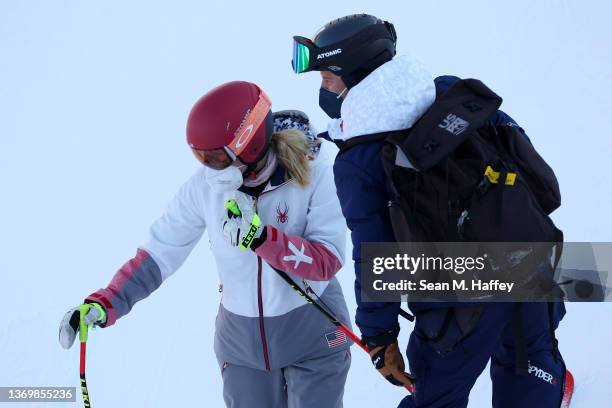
335, 338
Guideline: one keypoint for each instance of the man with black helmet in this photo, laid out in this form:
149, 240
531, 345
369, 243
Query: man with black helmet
368, 91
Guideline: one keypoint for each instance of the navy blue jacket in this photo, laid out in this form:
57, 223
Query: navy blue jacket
364, 193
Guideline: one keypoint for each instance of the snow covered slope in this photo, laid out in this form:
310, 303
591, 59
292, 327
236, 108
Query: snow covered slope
93, 102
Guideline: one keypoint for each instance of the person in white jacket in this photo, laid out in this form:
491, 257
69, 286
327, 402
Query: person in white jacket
274, 349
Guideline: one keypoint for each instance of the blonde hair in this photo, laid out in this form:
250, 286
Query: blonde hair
291, 149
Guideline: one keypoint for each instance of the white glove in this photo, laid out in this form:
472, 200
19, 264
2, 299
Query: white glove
69, 326
241, 224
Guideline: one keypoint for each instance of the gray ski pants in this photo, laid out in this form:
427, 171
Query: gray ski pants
317, 382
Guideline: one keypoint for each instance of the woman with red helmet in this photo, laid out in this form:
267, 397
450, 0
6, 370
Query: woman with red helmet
273, 348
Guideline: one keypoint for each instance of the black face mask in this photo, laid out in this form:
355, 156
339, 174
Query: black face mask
330, 103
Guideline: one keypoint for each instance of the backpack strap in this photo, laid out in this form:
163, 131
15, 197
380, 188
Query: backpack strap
453, 117
344, 145
520, 341
551, 305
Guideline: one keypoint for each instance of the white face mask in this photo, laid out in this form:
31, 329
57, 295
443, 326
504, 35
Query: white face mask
226, 180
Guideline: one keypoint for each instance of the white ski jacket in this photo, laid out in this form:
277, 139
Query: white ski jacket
305, 237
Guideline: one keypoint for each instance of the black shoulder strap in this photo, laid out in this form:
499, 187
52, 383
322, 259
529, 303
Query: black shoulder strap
453, 117
521, 357
345, 145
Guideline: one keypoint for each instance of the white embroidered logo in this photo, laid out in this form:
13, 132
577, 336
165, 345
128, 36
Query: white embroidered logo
454, 124
541, 374
298, 255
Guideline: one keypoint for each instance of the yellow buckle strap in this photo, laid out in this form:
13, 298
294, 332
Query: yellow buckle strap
493, 176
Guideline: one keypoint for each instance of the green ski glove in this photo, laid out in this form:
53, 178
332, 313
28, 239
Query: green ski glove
241, 225
79, 320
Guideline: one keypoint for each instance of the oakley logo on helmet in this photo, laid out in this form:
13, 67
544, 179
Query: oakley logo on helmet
243, 121
244, 136
330, 53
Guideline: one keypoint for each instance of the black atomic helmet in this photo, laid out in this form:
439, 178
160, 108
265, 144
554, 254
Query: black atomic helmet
351, 47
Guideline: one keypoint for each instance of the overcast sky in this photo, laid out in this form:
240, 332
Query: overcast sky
94, 96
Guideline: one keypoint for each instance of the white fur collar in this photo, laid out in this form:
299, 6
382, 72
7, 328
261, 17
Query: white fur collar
392, 97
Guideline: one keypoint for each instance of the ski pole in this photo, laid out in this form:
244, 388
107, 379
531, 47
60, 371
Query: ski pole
232, 206
568, 389
321, 309
83, 328
333, 319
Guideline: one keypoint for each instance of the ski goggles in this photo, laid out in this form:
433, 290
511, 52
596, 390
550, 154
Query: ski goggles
308, 57
336, 57
222, 157
303, 49
217, 159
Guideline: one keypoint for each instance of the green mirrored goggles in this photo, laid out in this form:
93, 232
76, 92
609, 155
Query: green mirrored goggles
302, 51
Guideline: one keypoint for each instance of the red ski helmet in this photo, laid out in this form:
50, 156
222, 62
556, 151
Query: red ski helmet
231, 120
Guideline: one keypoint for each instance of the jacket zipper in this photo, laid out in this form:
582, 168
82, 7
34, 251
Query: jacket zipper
262, 329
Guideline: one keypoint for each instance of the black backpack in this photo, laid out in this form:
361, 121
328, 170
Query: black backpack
457, 177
